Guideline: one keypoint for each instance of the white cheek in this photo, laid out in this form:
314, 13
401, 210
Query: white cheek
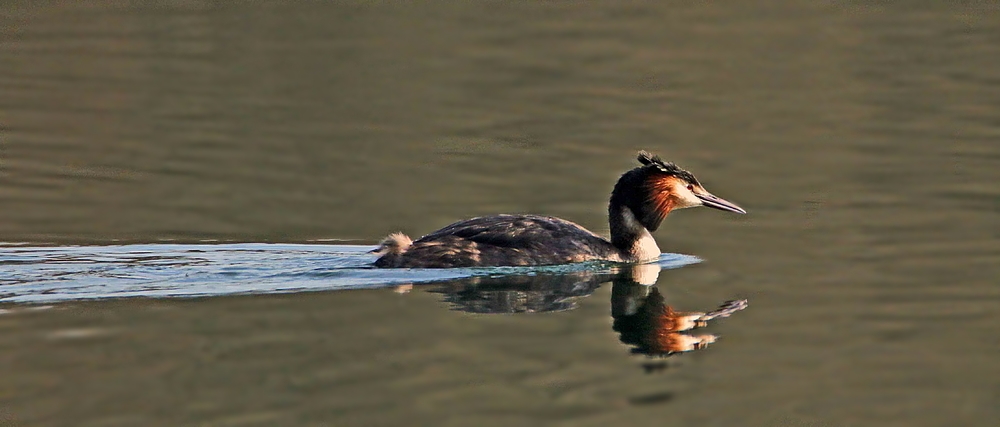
687, 199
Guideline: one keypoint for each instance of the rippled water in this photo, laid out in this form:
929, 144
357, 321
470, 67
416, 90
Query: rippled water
860, 136
66, 273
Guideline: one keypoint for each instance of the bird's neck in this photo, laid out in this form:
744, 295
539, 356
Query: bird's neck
629, 236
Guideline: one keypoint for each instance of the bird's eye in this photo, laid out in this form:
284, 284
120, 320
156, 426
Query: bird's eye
691, 187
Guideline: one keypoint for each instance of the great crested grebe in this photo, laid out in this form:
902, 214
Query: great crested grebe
640, 200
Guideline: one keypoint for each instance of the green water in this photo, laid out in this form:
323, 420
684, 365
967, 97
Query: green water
862, 138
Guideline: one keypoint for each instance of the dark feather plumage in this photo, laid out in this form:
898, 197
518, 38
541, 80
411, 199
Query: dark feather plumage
504, 240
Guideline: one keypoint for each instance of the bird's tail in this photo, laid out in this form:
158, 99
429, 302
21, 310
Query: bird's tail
393, 244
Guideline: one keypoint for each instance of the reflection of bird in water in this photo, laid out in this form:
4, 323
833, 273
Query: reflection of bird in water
536, 292
641, 317
644, 321
521, 293
640, 200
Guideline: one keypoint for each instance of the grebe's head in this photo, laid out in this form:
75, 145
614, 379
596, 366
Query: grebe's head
654, 189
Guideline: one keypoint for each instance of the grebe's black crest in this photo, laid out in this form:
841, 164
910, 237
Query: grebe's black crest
668, 168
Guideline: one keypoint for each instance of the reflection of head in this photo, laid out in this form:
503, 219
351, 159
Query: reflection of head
652, 327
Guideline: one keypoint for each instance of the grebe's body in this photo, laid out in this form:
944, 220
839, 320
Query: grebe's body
503, 240
640, 200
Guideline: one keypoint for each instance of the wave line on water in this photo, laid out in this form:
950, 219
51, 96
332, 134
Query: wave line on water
32, 274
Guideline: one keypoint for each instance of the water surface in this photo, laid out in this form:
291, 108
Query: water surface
861, 137
67, 273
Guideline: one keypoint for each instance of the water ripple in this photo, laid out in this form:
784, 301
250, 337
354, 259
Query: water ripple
50, 274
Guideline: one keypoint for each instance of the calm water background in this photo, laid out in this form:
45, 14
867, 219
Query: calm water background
863, 139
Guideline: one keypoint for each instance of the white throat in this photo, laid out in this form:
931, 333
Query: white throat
644, 248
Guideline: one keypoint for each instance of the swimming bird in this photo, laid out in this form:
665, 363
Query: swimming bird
640, 200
